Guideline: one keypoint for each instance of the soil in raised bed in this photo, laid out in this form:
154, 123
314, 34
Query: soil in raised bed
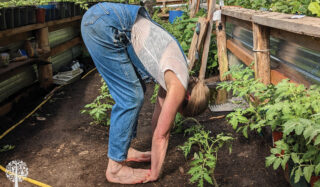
61, 148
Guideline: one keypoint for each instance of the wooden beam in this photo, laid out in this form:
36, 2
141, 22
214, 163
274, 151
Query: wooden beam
16, 38
307, 26
261, 46
76, 23
27, 28
222, 47
65, 46
240, 52
300, 39
45, 71
197, 42
206, 46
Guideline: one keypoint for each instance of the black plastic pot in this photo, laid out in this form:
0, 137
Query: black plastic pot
23, 16
61, 8
16, 15
72, 9
32, 15
3, 24
9, 14
67, 6
77, 10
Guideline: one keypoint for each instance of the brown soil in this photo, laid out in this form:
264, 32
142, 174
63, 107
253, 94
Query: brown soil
64, 150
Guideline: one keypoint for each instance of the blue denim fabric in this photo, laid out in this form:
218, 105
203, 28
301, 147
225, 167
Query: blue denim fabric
106, 32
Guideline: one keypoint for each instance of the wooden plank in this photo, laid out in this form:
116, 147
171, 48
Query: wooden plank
277, 76
76, 23
261, 45
14, 65
16, 38
222, 47
206, 46
65, 46
302, 40
197, 41
45, 71
307, 26
240, 52
239, 22
14, 31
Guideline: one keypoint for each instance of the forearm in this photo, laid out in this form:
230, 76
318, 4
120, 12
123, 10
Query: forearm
161, 134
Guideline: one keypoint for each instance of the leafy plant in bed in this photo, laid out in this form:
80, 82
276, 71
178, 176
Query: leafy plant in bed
99, 108
291, 109
205, 159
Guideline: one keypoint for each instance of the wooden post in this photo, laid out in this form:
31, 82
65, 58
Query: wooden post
222, 57
45, 71
222, 47
261, 36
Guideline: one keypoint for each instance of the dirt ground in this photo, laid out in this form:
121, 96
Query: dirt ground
62, 149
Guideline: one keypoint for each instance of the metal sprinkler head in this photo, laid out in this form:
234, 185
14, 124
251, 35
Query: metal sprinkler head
16, 170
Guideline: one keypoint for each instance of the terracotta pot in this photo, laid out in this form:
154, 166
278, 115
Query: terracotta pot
41, 15
313, 180
276, 136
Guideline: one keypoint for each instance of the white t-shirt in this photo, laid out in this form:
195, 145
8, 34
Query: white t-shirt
158, 51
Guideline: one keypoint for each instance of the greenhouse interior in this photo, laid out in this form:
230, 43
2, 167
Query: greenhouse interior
160, 93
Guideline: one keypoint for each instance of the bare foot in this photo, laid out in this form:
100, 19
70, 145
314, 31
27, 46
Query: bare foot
137, 156
117, 172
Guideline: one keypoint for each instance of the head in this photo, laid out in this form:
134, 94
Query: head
197, 100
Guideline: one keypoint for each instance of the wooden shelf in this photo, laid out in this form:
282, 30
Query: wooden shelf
27, 28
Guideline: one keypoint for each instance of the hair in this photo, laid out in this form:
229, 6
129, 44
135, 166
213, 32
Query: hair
198, 101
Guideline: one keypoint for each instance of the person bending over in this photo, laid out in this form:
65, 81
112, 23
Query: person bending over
127, 45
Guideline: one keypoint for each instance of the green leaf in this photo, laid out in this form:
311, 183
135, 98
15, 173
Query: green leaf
207, 178
314, 7
284, 161
295, 158
317, 141
298, 174
277, 163
245, 131
317, 169
317, 184
307, 172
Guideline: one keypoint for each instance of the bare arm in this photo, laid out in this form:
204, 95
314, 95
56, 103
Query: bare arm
174, 97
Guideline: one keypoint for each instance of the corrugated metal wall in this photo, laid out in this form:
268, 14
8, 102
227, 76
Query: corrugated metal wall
296, 59
29, 75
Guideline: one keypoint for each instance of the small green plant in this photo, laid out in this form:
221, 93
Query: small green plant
254, 93
204, 161
99, 108
6, 148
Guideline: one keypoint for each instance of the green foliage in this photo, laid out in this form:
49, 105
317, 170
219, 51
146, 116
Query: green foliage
6, 148
314, 7
287, 107
99, 108
204, 161
306, 7
247, 87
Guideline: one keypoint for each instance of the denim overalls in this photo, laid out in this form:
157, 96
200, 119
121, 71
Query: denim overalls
106, 32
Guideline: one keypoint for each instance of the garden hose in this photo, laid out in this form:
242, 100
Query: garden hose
32, 181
